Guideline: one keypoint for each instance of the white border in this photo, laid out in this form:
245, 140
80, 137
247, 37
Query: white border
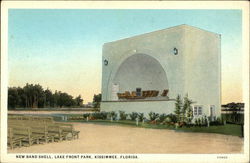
244, 6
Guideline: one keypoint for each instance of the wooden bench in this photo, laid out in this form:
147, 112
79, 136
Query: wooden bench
38, 131
14, 141
66, 131
27, 130
22, 133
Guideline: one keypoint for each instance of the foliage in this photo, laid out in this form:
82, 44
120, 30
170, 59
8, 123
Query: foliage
79, 100
218, 121
13, 98
97, 100
99, 115
234, 118
141, 117
201, 121
196, 122
162, 117
86, 115
178, 108
187, 108
34, 96
172, 118
167, 120
153, 116
205, 121
112, 115
133, 116
123, 115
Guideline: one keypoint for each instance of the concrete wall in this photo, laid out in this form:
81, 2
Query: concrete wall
145, 107
165, 41
194, 70
202, 68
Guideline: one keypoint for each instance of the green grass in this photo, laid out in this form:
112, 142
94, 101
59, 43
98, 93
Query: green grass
228, 129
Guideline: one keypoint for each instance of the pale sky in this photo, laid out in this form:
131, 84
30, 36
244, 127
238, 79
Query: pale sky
62, 49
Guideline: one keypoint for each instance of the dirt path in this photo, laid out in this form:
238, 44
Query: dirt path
120, 139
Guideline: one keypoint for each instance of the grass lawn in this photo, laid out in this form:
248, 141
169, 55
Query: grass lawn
228, 129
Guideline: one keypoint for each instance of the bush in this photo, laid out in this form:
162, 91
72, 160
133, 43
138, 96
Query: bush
133, 116
162, 117
235, 118
141, 116
86, 115
196, 122
167, 120
153, 116
112, 114
205, 121
123, 115
199, 122
172, 118
100, 115
218, 121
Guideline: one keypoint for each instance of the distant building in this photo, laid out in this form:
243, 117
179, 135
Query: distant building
146, 73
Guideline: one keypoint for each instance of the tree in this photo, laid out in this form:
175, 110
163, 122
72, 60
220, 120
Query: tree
22, 97
97, 100
79, 100
188, 109
13, 98
48, 100
34, 96
65, 100
178, 106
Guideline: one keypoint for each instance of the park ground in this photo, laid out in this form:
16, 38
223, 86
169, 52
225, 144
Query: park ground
99, 138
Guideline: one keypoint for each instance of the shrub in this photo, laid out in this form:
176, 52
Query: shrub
141, 117
199, 122
112, 114
202, 121
196, 122
133, 116
216, 122
172, 118
235, 118
167, 120
153, 116
100, 115
162, 117
123, 115
205, 121
86, 115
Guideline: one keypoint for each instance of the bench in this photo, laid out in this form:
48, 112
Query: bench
27, 130
65, 131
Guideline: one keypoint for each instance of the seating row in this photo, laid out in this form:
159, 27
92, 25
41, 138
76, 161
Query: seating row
26, 132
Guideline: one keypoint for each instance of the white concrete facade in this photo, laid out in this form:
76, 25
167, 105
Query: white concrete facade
149, 62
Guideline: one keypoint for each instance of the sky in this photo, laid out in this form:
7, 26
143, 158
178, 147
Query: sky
62, 48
